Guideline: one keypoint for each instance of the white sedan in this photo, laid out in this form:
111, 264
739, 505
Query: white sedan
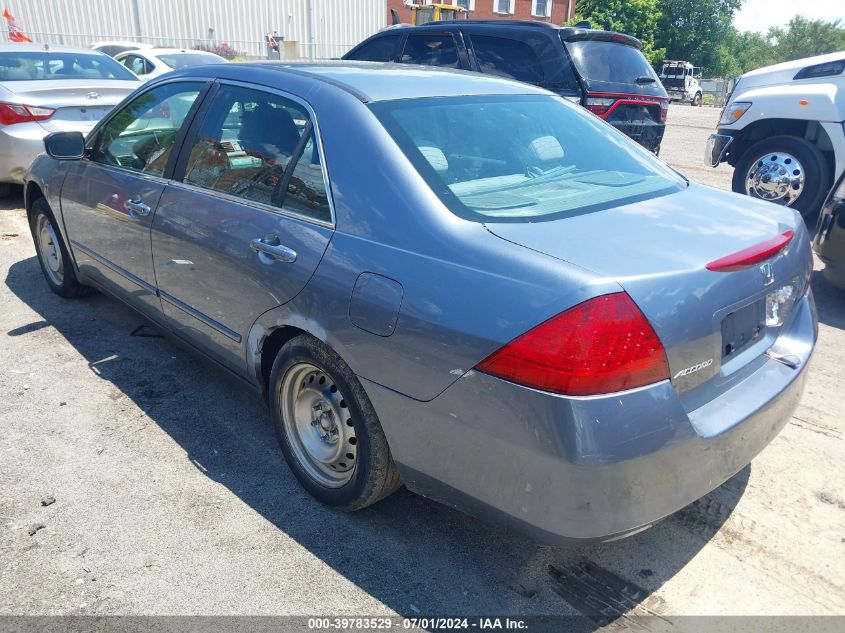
152, 62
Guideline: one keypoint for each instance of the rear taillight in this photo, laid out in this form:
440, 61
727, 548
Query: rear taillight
600, 346
603, 104
599, 105
11, 113
747, 257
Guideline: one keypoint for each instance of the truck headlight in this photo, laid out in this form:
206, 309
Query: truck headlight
733, 112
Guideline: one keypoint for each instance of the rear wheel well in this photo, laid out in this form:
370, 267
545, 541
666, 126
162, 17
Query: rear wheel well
273, 342
31, 193
767, 128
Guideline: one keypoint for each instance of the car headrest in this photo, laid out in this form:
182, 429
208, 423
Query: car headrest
546, 148
436, 158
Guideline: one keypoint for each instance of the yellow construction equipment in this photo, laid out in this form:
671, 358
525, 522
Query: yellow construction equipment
439, 12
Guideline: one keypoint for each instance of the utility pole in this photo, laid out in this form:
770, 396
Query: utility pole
309, 27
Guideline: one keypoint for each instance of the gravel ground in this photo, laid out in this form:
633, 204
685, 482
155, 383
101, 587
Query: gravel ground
171, 496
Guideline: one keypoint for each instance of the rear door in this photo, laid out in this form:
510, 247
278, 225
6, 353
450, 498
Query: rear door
109, 197
247, 219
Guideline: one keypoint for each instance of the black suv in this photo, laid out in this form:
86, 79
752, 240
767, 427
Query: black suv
603, 71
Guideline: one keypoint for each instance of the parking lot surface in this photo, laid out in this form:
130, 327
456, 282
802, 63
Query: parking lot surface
172, 496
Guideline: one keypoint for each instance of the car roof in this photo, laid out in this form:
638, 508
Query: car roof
567, 33
374, 81
174, 51
42, 48
138, 45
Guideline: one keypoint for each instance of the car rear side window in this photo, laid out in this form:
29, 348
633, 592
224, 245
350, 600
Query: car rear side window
521, 158
507, 58
140, 135
431, 50
381, 49
247, 146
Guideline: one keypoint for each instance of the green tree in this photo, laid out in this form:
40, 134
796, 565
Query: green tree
806, 38
698, 31
633, 17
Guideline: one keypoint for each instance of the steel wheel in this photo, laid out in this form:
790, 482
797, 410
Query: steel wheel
318, 425
777, 177
49, 250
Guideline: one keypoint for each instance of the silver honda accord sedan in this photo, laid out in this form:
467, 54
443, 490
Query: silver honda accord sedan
51, 89
450, 281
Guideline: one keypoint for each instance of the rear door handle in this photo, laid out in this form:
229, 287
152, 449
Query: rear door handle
273, 248
136, 208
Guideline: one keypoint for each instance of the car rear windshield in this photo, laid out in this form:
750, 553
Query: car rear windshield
522, 158
602, 62
183, 60
41, 65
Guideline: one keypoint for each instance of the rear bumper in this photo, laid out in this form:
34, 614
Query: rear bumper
717, 146
649, 135
572, 469
19, 145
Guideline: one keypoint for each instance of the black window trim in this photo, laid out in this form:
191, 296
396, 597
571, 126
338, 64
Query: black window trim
93, 140
178, 177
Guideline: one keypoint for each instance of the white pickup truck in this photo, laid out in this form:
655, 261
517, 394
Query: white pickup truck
783, 130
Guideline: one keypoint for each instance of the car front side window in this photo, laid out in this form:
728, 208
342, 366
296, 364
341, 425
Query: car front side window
141, 135
381, 49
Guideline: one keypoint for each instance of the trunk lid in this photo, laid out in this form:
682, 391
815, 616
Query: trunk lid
79, 103
658, 251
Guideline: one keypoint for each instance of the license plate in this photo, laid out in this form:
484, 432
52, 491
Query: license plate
742, 328
91, 114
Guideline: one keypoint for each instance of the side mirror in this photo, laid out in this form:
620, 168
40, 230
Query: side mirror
65, 145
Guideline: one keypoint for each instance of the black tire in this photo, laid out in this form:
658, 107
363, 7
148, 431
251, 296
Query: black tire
816, 172
65, 284
375, 475
5, 190
696, 100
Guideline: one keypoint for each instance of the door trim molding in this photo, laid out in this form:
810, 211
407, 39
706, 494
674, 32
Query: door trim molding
115, 268
200, 316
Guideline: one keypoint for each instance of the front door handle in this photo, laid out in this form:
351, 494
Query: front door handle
271, 247
136, 208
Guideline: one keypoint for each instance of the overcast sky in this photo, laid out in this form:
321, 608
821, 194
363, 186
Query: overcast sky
759, 15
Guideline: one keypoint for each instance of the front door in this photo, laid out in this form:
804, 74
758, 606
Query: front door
247, 225
109, 198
